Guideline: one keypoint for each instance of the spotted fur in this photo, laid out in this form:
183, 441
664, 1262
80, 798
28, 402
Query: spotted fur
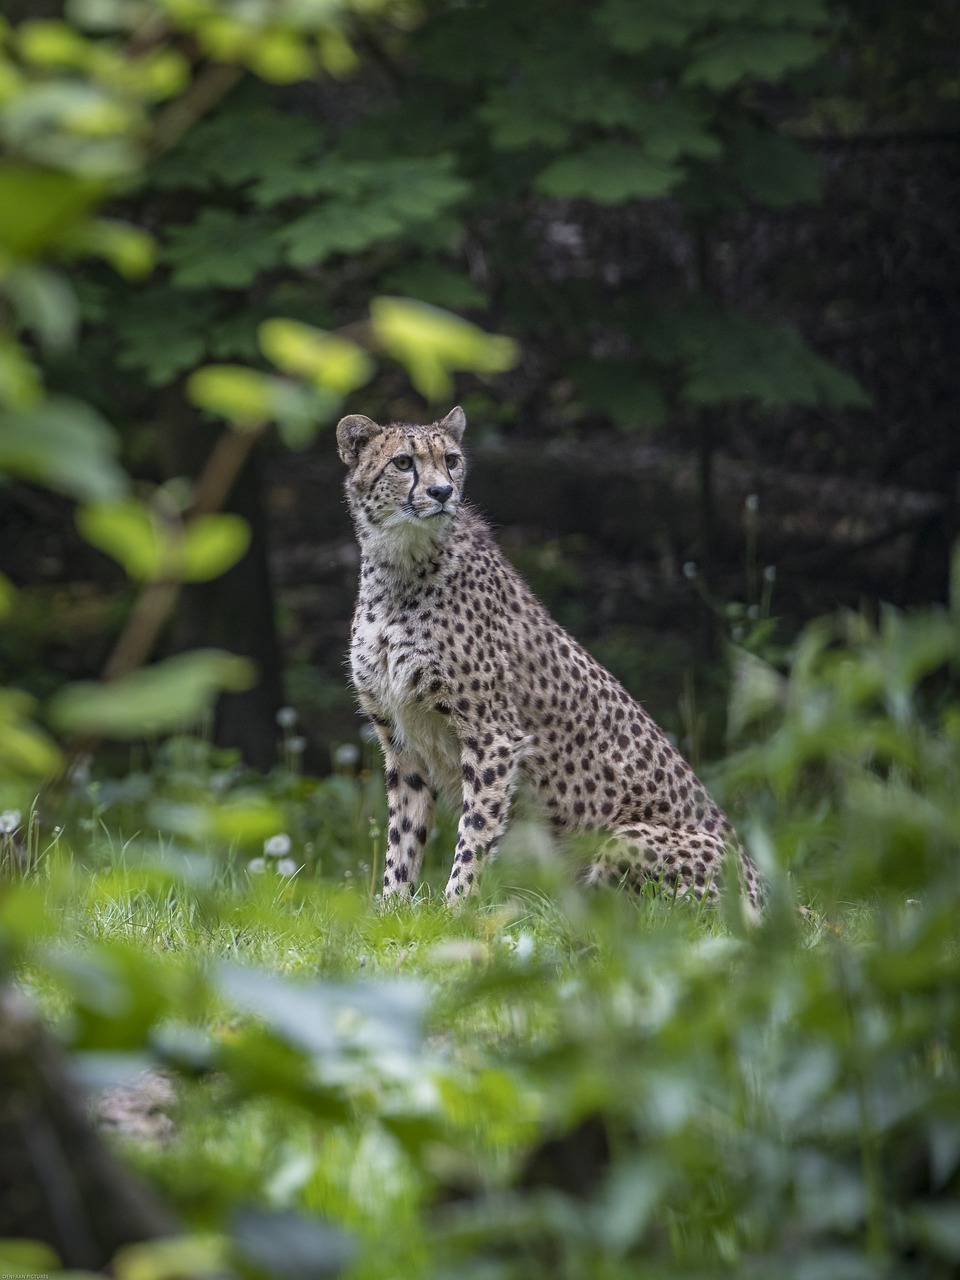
473, 688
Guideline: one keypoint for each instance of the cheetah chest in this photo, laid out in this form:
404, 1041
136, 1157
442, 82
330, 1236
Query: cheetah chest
392, 674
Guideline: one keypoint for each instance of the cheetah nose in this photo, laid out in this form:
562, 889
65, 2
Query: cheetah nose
440, 492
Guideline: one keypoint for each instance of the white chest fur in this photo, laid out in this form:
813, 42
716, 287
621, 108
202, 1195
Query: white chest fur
393, 671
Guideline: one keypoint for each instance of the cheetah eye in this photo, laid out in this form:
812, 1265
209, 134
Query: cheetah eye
403, 462
452, 461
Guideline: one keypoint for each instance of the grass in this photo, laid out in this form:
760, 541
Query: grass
397, 1070
494, 971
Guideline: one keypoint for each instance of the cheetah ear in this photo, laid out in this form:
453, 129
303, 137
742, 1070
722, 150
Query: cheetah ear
454, 424
353, 432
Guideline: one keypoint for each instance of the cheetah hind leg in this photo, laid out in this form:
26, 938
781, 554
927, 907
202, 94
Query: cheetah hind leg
680, 862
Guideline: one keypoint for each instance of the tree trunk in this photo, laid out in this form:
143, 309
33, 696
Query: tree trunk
59, 1182
235, 611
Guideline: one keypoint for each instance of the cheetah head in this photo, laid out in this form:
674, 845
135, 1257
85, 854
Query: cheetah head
403, 477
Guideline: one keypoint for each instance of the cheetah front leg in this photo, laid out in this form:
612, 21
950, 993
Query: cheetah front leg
410, 804
488, 770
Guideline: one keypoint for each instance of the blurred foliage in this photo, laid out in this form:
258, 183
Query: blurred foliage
474, 135
547, 1082
86, 105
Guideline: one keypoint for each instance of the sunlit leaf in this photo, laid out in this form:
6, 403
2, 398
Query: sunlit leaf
329, 360
39, 206
128, 249
25, 750
8, 595
168, 695
130, 533
170, 1259
23, 1257
244, 396
281, 56
211, 545
433, 343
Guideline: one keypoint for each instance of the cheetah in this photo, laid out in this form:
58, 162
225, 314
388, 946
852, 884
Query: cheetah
474, 689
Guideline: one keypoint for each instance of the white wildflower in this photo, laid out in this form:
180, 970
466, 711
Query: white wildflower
690, 570
9, 821
287, 717
297, 744
752, 502
277, 846
346, 755
287, 867
256, 866
770, 573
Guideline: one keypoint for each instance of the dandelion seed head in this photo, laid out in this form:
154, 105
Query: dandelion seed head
277, 846
9, 821
690, 570
287, 867
256, 866
287, 717
346, 756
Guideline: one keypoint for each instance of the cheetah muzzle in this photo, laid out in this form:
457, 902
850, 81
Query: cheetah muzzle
474, 689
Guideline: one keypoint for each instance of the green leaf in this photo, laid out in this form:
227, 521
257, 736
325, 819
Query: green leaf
20, 385
65, 445
609, 173
621, 392
244, 818
133, 535
250, 400
431, 343
8, 596
128, 249
429, 282
634, 28
164, 331
769, 167
130, 533
171, 694
306, 352
281, 56
44, 302
39, 206
52, 44
733, 358
244, 396
337, 227
327, 1019
723, 60
368, 201
283, 1245
171, 1259
242, 145
211, 545
221, 248
28, 1257
25, 750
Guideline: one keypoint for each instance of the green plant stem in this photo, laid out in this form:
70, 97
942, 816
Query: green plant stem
877, 1243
